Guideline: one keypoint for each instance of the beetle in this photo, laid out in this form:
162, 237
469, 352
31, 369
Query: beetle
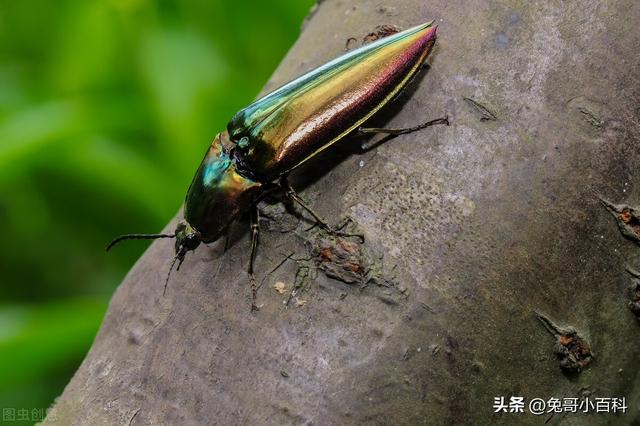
271, 137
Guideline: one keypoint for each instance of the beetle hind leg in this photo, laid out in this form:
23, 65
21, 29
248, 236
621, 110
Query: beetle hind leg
405, 130
396, 132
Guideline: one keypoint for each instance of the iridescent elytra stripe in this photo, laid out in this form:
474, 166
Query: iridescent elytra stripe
295, 122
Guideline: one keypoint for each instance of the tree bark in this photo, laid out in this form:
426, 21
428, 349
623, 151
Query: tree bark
490, 266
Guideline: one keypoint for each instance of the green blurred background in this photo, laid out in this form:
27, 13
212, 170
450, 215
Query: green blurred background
106, 108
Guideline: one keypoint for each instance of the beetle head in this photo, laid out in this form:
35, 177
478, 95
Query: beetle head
187, 239
217, 196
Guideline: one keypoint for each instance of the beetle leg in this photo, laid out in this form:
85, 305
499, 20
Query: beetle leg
291, 194
403, 131
395, 132
255, 233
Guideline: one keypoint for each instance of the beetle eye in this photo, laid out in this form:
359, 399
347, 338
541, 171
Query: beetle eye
243, 142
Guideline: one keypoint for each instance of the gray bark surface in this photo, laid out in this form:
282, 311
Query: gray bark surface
470, 231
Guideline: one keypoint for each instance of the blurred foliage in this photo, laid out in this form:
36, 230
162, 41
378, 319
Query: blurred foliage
106, 108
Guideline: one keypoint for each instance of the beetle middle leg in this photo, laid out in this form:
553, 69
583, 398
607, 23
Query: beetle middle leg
292, 195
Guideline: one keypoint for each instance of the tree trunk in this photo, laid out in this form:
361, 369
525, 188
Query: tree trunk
490, 266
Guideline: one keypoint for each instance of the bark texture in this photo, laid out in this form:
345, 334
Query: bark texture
470, 231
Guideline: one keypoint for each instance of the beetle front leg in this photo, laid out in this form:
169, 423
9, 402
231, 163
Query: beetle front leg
255, 233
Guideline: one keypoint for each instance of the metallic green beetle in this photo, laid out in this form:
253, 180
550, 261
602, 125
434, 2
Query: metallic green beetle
278, 132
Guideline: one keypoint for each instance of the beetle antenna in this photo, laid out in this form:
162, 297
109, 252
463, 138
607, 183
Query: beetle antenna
179, 256
138, 237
